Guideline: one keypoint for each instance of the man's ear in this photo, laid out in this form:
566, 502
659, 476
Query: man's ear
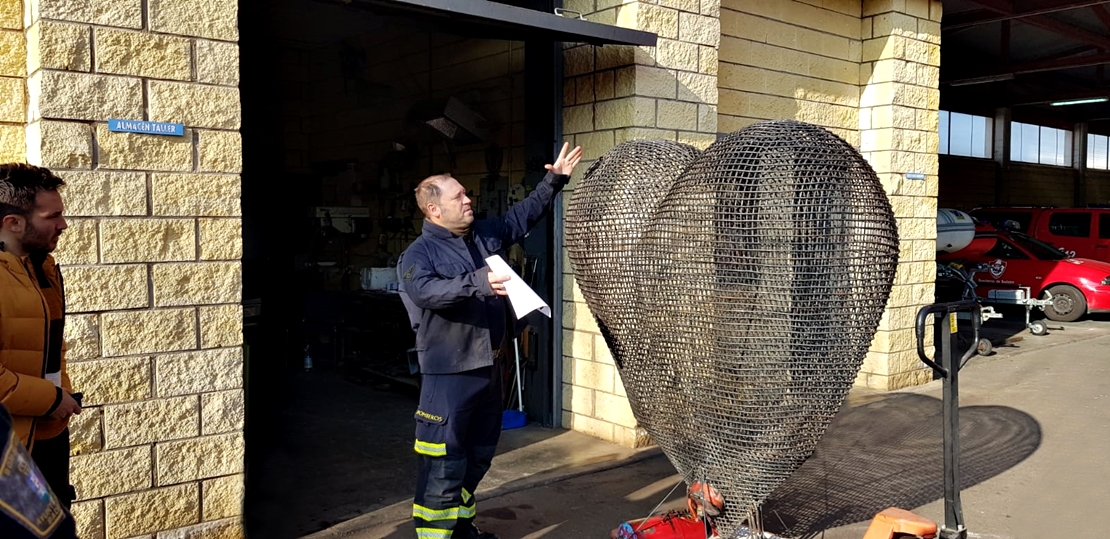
433, 210
13, 223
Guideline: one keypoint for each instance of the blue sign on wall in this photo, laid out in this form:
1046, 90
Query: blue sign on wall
148, 128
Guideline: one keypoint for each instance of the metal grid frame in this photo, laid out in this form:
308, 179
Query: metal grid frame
738, 290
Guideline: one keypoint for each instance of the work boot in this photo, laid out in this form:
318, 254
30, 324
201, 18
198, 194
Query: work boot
470, 531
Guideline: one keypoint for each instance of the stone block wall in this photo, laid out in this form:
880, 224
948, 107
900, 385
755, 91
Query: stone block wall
151, 260
792, 59
612, 94
13, 87
899, 100
869, 72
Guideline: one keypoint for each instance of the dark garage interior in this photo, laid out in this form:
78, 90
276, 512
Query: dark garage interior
1032, 76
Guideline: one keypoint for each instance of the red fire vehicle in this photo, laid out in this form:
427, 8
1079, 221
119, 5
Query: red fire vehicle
1078, 285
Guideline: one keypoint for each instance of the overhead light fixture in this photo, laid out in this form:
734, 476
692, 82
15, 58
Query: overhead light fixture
452, 119
1080, 101
982, 80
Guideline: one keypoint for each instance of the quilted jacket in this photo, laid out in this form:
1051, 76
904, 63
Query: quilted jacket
24, 336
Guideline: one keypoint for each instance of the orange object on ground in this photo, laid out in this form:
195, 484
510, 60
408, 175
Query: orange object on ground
894, 522
702, 500
673, 525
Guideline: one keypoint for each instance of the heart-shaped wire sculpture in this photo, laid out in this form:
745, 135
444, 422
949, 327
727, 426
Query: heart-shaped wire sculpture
738, 290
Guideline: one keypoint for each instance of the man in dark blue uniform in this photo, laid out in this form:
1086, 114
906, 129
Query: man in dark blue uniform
456, 306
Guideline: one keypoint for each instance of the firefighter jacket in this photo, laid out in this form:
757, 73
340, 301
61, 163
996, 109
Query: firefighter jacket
28, 336
458, 320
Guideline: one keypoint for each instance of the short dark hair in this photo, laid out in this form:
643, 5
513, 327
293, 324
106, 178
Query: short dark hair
20, 183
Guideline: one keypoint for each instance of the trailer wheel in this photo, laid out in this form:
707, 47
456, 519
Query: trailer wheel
985, 347
1068, 304
1038, 327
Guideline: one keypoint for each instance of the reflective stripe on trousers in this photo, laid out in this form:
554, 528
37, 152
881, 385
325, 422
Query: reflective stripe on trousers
458, 424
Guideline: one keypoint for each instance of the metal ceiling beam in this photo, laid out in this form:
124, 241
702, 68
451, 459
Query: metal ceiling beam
1069, 30
1038, 88
1038, 66
1001, 10
1075, 51
1001, 6
1103, 15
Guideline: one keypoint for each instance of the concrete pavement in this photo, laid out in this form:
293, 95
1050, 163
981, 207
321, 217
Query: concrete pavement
1035, 432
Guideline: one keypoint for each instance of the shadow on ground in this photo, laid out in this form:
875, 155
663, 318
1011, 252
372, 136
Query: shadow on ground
334, 449
888, 453
883, 451
331, 449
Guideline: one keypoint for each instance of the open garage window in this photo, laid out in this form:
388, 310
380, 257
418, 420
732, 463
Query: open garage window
1097, 151
1039, 144
965, 135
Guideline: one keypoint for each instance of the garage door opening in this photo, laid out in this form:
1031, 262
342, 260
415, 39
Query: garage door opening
345, 109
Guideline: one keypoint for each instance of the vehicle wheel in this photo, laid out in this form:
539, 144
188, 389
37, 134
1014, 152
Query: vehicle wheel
1038, 327
985, 347
1068, 304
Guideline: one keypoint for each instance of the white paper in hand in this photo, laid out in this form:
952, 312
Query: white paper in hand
521, 296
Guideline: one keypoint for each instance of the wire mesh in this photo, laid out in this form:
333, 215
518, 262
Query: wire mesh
738, 290
608, 213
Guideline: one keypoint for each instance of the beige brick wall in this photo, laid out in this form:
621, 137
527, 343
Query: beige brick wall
617, 93
13, 87
868, 71
793, 59
152, 255
899, 99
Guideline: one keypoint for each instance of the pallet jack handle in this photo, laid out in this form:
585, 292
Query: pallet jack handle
949, 368
948, 309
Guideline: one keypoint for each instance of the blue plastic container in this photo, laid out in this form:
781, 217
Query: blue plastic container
513, 419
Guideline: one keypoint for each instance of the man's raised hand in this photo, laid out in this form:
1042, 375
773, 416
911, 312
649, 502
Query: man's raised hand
567, 161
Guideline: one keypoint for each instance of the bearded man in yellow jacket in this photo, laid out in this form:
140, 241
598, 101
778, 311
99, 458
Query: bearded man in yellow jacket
34, 385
